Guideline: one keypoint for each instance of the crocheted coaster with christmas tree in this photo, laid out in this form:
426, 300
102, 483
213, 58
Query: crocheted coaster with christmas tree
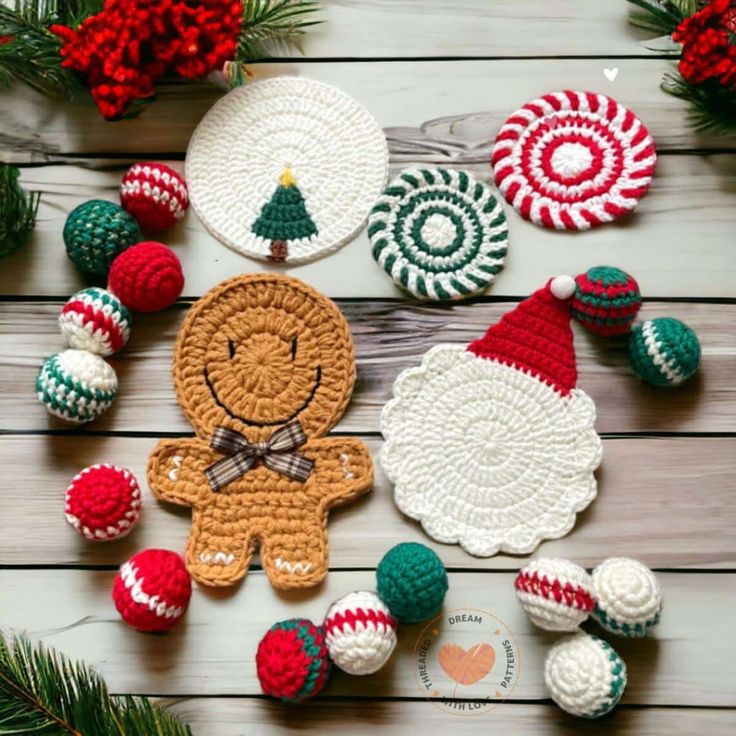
492, 445
264, 367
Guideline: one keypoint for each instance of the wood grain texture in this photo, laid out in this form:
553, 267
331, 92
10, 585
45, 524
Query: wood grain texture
238, 717
389, 337
668, 501
673, 244
212, 651
401, 94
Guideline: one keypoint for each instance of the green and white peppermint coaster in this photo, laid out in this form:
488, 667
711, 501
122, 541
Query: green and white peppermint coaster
439, 233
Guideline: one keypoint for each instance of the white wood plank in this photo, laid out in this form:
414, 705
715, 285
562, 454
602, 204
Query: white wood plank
689, 482
674, 244
212, 651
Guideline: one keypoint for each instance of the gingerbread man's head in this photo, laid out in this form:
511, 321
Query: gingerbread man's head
261, 350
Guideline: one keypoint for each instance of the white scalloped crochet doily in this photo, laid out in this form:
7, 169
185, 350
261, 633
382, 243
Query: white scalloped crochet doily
334, 149
486, 455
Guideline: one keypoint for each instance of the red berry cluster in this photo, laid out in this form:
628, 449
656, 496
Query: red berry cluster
130, 44
708, 41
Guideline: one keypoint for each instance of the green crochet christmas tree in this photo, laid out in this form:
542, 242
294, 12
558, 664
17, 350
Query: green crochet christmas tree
284, 218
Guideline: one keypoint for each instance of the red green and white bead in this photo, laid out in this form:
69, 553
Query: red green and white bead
606, 301
629, 600
360, 633
155, 195
556, 594
76, 385
584, 675
96, 320
103, 502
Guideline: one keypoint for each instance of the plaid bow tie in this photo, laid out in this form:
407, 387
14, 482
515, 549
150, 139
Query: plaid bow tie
275, 454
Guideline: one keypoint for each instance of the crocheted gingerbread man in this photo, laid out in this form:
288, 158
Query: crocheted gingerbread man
264, 367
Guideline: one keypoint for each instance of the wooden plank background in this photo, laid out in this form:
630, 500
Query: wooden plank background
441, 78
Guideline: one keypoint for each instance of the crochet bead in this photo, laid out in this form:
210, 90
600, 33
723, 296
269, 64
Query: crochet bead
103, 502
606, 301
556, 594
152, 590
95, 320
664, 351
154, 194
292, 661
76, 385
360, 633
97, 231
412, 582
629, 601
584, 675
147, 277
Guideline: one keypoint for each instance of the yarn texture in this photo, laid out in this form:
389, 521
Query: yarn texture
606, 301
152, 590
155, 195
556, 594
664, 351
103, 502
492, 446
584, 675
360, 633
286, 169
439, 233
573, 160
76, 385
95, 320
262, 360
147, 277
292, 661
411, 581
97, 231
629, 601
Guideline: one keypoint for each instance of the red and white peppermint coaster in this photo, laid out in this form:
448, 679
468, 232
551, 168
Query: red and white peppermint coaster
573, 160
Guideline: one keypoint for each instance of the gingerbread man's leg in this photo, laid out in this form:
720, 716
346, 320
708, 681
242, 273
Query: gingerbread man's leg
294, 551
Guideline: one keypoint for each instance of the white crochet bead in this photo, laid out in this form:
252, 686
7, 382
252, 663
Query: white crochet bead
629, 599
584, 675
360, 633
556, 594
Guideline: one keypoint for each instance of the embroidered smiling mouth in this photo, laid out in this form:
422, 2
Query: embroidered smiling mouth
252, 422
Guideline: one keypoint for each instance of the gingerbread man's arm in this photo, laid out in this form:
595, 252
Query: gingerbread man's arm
176, 471
343, 468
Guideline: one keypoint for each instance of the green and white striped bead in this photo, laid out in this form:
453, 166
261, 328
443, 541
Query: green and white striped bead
439, 233
664, 351
76, 385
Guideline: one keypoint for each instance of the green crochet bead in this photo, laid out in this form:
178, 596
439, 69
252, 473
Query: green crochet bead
96, 232
664, 351
412, 582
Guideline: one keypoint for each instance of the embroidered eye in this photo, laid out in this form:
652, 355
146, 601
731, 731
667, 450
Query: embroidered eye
231, 348
293, 348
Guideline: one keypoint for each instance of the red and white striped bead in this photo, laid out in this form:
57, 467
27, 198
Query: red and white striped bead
95, 320
155, 195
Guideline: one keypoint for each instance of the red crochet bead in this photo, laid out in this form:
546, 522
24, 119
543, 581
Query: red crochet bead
103, 502
292, 660
154, 194
152, 590
146, 277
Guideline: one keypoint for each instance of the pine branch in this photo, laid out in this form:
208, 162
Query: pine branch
712, 105
17, 210
661, 17
270, 26
42, 692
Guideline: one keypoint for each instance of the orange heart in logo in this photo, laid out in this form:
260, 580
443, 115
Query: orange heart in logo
467, 667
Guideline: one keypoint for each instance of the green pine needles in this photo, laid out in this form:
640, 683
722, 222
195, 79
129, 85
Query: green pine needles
42, 692
17, 210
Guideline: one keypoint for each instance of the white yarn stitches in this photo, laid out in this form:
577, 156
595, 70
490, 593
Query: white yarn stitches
629, 597
487, 455
334, 147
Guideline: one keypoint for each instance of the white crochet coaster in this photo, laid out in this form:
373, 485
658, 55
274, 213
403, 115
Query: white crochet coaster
573, 160
286, 169
487, 455
439, 233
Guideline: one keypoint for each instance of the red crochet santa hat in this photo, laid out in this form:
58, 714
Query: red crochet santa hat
536, 337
